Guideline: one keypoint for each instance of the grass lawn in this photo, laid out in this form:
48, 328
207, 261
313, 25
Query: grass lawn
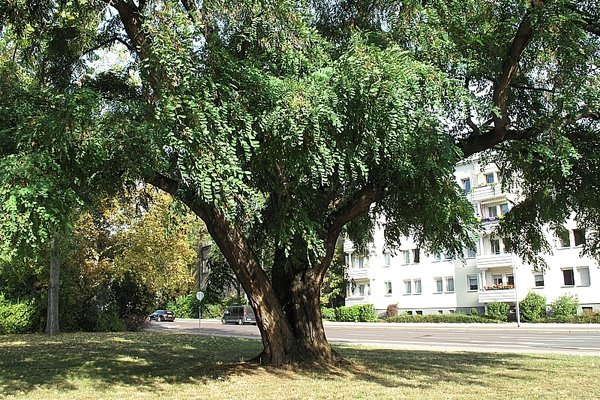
153, 366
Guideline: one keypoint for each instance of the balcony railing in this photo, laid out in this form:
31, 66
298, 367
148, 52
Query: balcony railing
357, 273
495, 261
486, 192
348, 246
506, 295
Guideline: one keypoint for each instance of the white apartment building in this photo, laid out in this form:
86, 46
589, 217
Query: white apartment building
421, 283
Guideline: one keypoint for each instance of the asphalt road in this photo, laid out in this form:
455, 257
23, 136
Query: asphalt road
528, 338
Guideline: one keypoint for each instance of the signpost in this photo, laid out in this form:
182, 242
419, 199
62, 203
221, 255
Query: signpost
199, 296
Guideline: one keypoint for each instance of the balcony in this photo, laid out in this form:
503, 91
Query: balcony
486, 192
495, 261
348, 246
505, 295
357, 273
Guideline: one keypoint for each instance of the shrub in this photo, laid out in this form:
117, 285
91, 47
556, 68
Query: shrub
391, 311
328, 313
498, 311
441, 318
565, 306
15, 317
474, 311
532, 307
184, 306
212, 311
356, 313
109, 321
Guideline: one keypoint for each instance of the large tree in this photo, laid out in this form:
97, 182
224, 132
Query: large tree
283, 123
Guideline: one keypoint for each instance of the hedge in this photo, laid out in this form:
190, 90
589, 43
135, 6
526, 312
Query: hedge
441, 318
15, 317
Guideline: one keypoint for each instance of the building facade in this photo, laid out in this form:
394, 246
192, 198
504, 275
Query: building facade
422, 283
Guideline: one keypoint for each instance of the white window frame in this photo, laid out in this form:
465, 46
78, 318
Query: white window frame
407, 287
535, 281
449, 279
388, 288
572, 275
583, 282
469, 277
439, 285
387, 258
405, 257
418, 286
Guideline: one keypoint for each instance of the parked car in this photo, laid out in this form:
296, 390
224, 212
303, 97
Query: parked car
162, 315
239, 315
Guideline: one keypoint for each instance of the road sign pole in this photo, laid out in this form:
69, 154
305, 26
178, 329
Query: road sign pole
199, 296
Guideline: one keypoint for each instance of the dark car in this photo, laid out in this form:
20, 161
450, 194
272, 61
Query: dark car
162, 315
239, 315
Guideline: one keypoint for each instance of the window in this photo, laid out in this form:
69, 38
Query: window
409, 312
471, 253
563, 237
439, 285
358, 261
437, 256
579, 236
419, 312
510, 279
492, 211
387, 259
405, 257
503, 208
449, 284
361, 290
539, 279
495, 246
584, 276
417, 255
417, 286
388, 287
568, 277
587, 310
472, 283
407, 287
497, 279
489, 178
440, 311
451, 311
466, 185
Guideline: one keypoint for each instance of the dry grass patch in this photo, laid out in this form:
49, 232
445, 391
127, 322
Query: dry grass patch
152, 366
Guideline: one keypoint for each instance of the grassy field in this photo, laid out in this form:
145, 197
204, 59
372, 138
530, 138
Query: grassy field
152, 366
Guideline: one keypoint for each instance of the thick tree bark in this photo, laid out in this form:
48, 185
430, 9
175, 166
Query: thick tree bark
52, 327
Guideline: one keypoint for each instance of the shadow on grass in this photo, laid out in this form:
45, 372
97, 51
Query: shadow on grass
148, 360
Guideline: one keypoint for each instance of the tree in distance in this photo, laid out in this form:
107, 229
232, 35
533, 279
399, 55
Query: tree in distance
284, 124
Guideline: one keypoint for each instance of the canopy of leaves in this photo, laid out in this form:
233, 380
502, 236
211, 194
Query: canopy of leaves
293, 118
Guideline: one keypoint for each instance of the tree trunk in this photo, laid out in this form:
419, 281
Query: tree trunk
53, 291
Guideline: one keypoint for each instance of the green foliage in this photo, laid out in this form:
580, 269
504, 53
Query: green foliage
110, 321
184, 306
213, 311
441, 318
564, 306
356, 313
474, 311
498, 311
328, 313
15, 317
532, 307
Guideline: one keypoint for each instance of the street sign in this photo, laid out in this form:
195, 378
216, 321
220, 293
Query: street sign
200, 296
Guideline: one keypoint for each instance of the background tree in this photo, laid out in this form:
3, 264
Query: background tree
281, 124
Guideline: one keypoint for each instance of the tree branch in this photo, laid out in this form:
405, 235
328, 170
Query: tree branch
509, 68
358, 205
